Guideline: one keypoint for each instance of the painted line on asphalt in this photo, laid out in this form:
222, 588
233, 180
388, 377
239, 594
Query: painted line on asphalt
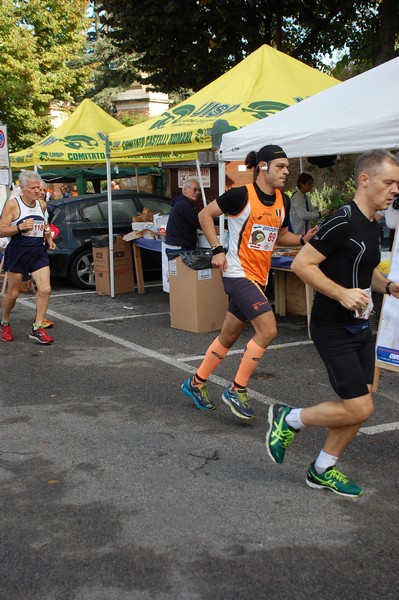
72, 294
374, 429
177, 363
124, 317
241, 350
169, 360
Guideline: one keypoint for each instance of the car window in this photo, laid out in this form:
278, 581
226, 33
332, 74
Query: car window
156, 205
91, 213
122, 210
56, 214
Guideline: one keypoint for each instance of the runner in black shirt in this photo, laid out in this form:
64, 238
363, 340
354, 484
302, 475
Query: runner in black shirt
340, 262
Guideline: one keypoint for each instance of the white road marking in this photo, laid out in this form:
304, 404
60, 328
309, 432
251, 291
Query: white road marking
170, 360
177, 363
373, 429
124, 317
72, 294
241, 350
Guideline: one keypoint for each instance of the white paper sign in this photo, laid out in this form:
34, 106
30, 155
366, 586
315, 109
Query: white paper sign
4, 177
204, 274
184, 175
387, 349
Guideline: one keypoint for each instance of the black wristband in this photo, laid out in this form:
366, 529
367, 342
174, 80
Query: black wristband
302, 240
387, 288
217, 250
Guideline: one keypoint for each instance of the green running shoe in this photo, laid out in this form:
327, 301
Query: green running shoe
198, 394
279, 435
333, 480
239, 402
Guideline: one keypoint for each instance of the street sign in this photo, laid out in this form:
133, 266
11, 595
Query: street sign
4, 159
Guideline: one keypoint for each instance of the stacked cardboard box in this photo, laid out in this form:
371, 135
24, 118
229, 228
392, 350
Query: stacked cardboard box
198, 302
123, 268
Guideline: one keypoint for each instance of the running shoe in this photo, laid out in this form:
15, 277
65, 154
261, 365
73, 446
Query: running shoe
6, 333
41, 336
333, 480
238, 402
198, 394
279, 435
47, 324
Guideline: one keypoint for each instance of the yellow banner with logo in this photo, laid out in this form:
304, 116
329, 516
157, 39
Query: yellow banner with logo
264, 83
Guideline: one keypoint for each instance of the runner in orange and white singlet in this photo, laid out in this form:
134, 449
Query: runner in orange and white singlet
257, 217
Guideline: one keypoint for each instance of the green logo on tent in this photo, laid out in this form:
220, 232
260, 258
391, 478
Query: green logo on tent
264, 108
79, 142
43, 156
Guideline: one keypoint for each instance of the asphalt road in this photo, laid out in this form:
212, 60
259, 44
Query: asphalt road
114, 487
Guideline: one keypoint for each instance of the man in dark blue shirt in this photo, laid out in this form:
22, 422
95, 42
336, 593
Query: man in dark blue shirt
183, 223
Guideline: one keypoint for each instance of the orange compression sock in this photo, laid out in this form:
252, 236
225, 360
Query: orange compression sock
252, 355
213, 357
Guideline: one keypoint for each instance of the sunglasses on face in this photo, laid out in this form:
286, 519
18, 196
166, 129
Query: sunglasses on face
195, 189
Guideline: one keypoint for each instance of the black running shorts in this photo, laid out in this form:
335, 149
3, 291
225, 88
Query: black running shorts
348, 357
25, 259
247, 299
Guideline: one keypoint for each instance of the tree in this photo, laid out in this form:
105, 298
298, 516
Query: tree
188, 44
40, 45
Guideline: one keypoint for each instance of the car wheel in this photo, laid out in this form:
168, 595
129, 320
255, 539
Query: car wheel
81, 271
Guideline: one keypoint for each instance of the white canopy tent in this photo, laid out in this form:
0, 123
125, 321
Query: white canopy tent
359, 114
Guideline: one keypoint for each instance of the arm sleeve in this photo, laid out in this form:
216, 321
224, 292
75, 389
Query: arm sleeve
287, 208
233, 201
333, 234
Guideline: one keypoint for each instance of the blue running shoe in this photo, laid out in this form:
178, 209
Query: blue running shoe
333, 480
238, 402
198, 394
279, 435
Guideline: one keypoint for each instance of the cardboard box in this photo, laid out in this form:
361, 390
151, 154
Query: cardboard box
122, 255
123, 282
198, 302
123, 268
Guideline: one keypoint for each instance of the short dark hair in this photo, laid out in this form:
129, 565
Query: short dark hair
304, 178
369, 162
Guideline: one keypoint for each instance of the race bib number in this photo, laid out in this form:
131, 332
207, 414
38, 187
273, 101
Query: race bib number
37, 231
263, 238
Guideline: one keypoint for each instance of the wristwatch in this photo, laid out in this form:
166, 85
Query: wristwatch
387, 288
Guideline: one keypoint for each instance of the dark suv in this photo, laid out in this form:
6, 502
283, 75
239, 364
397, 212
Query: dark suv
74, 221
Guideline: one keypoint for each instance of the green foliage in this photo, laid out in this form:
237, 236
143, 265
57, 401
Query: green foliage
348, 190
130, 119
186, 45
38, 40
329, 197
113, 70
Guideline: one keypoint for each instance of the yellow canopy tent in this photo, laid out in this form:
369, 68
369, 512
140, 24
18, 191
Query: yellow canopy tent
264, 83
78, 140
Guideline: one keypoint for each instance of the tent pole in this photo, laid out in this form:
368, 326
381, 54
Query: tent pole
197, 162
222, 187
137, 178
110, 224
